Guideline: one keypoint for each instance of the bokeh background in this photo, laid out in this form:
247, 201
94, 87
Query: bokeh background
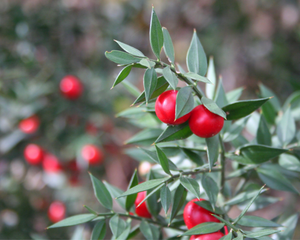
41, 41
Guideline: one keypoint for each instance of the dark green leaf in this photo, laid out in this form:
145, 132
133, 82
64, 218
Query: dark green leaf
196, 60
146, 137
213, 107
99, 230
211, 75
150, 81
74, 220
191, 185
165, 198
261, 233
178, 201
227, 237
197, 77
168, 46
184, 102
144, 186
134, 231
207, 205
117, 226
175, 132
220, 97
101, 192
203, 228
266, 92
149, 231
153, 196
170, 77
192, 155
274, 179
120, 57
211, 189
289, 162
130, 49
163, 160
263, 135
229, 224
286, 127
115, 192
122, 75
243, 108
156, 35
254, 221
212, 149
130, 199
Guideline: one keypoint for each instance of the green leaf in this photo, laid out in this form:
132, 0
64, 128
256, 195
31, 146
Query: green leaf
74, 220
131, 88
120, 57
248, 205
261, 233
289, 162
289, 227
234, 95
212, 149
192, 155
122, 75
196, 60
144, 186
165, 198
191, 185
286, 127
134, 231
266, 92
130, 199
203, 228
227, 237
163, 160
149, 231
184, 102
211, 75
117, 226
213, 107
274, 179
293, 101
175, 132
101, 193
99, 230
78, 233
243, 108
130, 49
178, 201
170, 77
239, 236
220, 97
156, 35
197, 77
207, 205
147, 136
161, 86
263, 135
229, 224
147, 63
168, 46
234, 130
125, 233
211, 189
254, 221
244, 196
115, 192
150, 81
90, 210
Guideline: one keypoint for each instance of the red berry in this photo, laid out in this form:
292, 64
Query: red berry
71, 87
142, 210
29, 125
204, 123
209, 236
165, 108
92, 154
56, 211
33, 154
51, 163
193, 214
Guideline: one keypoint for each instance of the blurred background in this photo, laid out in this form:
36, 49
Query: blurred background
41, 41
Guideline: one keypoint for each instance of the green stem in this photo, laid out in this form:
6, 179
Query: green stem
223, 159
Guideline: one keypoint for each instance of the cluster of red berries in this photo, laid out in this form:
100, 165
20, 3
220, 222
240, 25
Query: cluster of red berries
202, 122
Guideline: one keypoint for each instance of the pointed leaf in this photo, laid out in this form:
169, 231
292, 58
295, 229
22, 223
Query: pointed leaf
220, 97
213, 107
289, 162
168, 46
178, 201
243, 108
229, 224
207, 205
227, 237
234, 130
153, 196
165, 198
266, 92
170, 77
197, 77
289, 227
286, 128
115, 192
234, 95
211, 188
184, 102
156, 35
211, 75
261, 233
191, 185
196, 60
147, 136
212, 149
195, 157
117, 226
101, 193
149, 231
130, 49
203, 228
130, 199
90, 210
147, 63
239, 236
74, 220
150, 81
163, 160
99, 230
120, 57
241, 197
263, 135
125, 233
122, 75
254, 221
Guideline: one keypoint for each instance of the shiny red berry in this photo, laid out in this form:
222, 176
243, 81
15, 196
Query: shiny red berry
193, 214
33, 154
29, 125
56, 211
51, 163
92, 154
204, 123
71, 87
208, 236
165, 108
141, 210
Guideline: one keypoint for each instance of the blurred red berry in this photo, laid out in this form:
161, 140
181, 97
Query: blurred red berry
92, 154
71, 87
56, 211
51, 163
142, 210
33, 154
208, 236
29, 125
